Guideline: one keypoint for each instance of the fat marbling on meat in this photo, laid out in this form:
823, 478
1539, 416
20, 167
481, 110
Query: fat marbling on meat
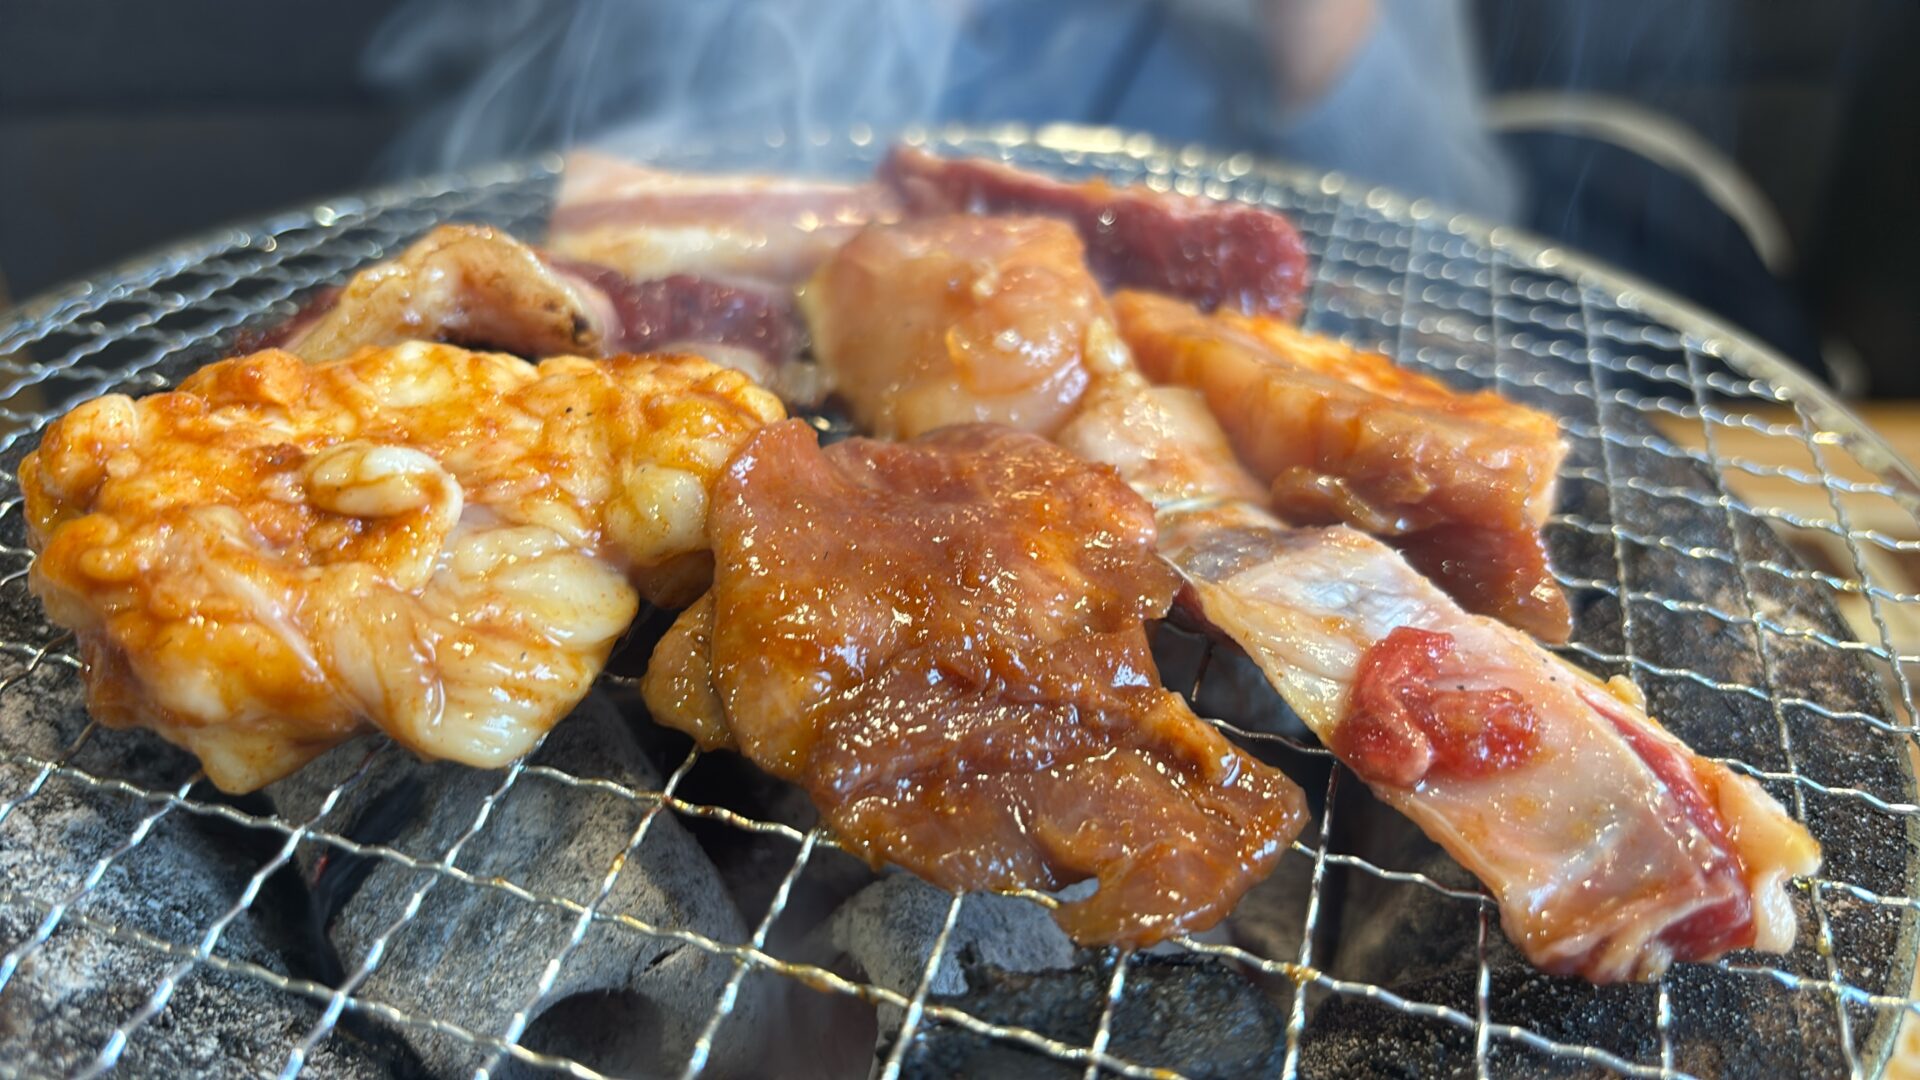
650, 223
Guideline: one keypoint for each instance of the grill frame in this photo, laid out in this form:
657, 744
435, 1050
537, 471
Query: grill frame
166, 312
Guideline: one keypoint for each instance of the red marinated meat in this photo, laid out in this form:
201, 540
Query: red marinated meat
944, 643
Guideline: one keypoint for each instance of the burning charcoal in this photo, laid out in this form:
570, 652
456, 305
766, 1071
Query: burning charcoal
1191, 1014
68, 995
625, 1001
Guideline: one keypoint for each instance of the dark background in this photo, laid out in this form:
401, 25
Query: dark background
124, 126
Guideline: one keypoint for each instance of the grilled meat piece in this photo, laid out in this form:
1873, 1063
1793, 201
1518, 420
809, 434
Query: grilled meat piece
678, 684
474, 286
649, 224
1215, 254
469, 285
1612, 848
444, 543
1462, 482
1010, 330
756, 327
944, 642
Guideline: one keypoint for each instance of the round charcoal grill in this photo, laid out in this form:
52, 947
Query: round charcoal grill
376, 916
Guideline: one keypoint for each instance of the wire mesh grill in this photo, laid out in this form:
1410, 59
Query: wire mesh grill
1682, 583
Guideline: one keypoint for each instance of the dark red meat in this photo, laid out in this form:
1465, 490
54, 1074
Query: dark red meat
1405, 724
1212, 253
682, 308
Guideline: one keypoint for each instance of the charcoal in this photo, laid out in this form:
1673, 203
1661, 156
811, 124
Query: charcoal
888, 931
753, 863
67, 996
626, 1000
1192, 1014
884, 935
1220, 681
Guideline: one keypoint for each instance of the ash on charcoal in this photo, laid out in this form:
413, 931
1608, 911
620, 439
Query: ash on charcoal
70, 993
1191, 1014
625, 1001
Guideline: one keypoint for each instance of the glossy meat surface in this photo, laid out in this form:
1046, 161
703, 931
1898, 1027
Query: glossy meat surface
944, 643
1613, 850
678, 684
442, 543
1405, 724
649, 224
469, 285
1463, 481
957, 319
1216, 254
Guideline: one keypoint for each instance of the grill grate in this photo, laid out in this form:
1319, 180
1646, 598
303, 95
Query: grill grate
1681, 581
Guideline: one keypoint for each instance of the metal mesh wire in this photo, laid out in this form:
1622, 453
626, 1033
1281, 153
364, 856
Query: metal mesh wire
1477, 306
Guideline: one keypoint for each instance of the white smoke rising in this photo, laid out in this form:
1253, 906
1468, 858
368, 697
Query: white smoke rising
500, 79
505, 78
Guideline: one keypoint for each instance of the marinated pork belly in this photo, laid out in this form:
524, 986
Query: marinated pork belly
1216, 254
1461, 482
442, 543
1611, 848
648, 223
944, 643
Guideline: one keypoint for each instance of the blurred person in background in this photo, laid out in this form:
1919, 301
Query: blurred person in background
1385, 90
130, 131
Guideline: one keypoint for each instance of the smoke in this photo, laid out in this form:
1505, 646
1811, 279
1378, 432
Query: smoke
494, 79
498, 79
